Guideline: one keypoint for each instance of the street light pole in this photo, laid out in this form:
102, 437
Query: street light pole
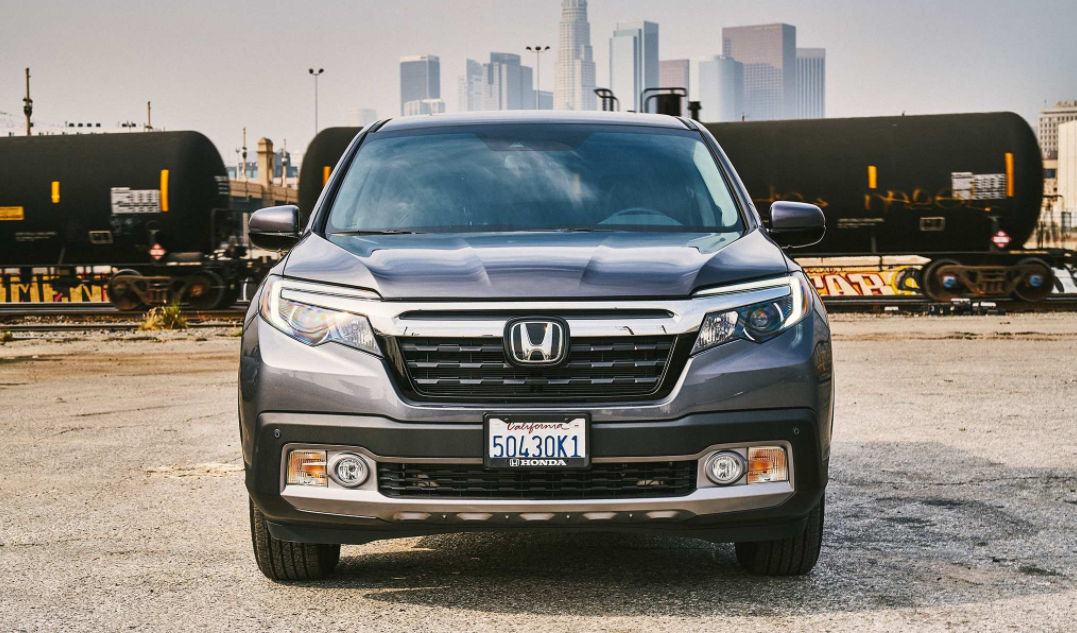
538, 51
315, 75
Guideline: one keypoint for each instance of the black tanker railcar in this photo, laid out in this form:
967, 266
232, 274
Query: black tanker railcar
154, 206
319, 161
964, 190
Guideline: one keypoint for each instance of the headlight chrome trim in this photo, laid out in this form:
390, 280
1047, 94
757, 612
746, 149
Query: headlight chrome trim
733, 321
311, 323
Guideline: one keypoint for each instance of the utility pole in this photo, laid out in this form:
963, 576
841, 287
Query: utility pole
284, 161
316, 74
244, 154
149, 120
538, 51
28, 107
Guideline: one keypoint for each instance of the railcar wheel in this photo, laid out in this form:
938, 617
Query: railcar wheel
121, 290
205, 290
940, 282
1035, 282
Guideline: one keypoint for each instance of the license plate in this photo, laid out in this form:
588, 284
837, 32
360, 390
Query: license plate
536, 441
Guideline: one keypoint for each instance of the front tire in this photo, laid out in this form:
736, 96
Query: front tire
785, 557
284, 560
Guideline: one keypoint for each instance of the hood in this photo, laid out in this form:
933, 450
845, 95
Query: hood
535, 265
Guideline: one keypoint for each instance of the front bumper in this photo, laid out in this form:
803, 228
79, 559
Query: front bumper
340, 515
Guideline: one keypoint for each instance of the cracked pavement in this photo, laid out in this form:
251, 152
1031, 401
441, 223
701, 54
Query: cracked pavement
952, 505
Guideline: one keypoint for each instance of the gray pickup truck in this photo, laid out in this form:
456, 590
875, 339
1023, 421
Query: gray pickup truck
535, 321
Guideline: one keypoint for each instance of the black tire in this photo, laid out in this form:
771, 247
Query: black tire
284, 560
785, 557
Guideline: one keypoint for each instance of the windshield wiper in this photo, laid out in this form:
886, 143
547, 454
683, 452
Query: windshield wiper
383, 232
582, 229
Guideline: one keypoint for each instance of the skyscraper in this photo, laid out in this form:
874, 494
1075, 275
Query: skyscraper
420, 79
633, 62
508, 85
811, 83
674, 73
574, 73
719, 86
768, 52
469, 88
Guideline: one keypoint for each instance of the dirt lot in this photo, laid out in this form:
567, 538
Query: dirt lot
952, 505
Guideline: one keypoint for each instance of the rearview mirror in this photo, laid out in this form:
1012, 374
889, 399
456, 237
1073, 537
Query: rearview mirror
275, 228
796, 224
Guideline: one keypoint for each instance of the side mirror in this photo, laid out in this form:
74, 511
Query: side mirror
275, 228
796, 224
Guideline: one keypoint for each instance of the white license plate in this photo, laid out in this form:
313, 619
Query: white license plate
536, 441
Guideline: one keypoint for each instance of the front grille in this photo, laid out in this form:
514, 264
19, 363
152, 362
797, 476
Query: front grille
595, 367
629, 480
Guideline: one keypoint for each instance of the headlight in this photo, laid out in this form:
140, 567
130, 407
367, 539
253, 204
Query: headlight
758, 321
314, 325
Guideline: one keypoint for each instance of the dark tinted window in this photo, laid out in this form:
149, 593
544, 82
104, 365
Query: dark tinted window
535, 177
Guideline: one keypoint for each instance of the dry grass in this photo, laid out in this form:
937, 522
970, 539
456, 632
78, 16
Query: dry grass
166, 317
6, 337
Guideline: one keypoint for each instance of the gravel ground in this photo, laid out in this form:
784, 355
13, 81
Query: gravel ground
952, 505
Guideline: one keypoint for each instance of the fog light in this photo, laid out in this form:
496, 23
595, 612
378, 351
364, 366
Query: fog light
725, 468
767, 463
348, 469
306, 468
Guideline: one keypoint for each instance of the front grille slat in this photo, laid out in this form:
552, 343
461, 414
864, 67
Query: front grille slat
629, 480
478, 368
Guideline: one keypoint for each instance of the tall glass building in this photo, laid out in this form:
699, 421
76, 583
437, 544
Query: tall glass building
469, 88
633, 62
718, 85
502, 84
420, 79
811, 83
769, 53
574, 73
509, 86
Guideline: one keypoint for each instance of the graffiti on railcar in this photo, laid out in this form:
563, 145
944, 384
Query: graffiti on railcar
40, 288
863, 281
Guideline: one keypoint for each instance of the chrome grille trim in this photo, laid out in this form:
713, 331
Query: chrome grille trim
487, 319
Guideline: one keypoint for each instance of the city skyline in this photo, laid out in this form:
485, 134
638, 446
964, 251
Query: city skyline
196, 75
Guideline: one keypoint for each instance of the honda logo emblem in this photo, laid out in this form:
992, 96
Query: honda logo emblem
536, 341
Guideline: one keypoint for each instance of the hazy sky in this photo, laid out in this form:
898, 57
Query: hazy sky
216, 66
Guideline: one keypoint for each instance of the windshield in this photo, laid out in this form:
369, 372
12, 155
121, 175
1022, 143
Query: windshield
534, 178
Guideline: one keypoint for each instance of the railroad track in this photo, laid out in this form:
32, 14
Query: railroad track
922, 305
104, 312
89, 316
